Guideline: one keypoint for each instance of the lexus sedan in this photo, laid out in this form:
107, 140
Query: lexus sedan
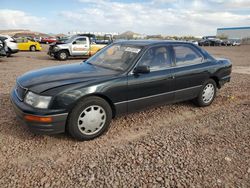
124, 77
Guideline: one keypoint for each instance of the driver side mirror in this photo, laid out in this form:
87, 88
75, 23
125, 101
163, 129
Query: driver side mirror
143, 69
74, 42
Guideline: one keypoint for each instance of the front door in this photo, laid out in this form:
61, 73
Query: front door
80, 46
155, 87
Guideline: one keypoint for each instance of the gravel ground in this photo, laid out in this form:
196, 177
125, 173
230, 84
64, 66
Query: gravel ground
177, 145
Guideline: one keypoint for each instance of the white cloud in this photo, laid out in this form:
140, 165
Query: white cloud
193, 18
15, 19
172, 17
242, 4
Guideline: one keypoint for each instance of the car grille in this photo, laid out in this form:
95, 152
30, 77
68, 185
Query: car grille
20, 91
50, 48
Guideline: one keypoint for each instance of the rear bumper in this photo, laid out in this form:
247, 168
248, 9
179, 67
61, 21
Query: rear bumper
13, 51
224, 80
57, 125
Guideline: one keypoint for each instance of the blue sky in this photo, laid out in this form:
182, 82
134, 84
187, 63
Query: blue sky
170, 17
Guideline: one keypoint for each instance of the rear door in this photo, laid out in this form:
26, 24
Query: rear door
80, 46
155, 87
190, 71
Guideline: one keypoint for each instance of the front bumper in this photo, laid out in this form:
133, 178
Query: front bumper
52, 53
57, 125
39, 48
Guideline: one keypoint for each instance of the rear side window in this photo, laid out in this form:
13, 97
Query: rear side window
185, 55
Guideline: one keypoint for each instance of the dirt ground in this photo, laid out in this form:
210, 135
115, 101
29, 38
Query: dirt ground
177, 145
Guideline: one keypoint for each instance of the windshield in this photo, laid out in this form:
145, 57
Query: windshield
71, 39
116, 57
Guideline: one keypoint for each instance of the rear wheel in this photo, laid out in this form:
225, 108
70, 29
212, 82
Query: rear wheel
89, 119
207, 94
62, 55
33, 48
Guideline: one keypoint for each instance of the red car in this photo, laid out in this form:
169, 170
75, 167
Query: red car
48, 40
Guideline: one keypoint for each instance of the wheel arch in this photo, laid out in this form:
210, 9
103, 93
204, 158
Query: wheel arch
104, 97
216, 79
66, 50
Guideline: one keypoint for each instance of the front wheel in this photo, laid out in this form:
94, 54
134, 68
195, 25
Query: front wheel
89, 119
207, 94
62, 55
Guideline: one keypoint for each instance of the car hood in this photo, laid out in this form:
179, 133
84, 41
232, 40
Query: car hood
44, 79
57, 43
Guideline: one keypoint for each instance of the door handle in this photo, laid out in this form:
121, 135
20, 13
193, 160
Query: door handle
171, 77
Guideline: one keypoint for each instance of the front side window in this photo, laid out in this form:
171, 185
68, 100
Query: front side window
117, 57
80, 41
185, 55
157, 58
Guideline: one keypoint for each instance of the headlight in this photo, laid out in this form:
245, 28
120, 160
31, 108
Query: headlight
37, 101
56, 48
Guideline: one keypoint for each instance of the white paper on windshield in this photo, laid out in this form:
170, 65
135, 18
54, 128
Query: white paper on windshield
133, 50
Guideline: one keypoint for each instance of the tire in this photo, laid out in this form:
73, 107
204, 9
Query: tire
62, 55
96, 113
207, 94
33, 48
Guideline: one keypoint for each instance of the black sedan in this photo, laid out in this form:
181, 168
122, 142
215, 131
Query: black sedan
123, 77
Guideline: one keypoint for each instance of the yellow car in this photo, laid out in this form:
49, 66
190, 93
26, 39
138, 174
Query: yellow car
26, 44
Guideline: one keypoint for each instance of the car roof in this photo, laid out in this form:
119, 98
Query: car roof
143, 43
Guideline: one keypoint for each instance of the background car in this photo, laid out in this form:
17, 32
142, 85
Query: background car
236, 42
210, 42
25, 44
194, 42
48, 40
226, 43
10, 43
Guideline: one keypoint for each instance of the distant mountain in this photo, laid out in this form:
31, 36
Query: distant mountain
129, 35
22, 33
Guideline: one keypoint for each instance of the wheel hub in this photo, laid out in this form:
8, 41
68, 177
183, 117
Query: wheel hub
208, 93
91, 120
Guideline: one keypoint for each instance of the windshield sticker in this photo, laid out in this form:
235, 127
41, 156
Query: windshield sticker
133, 50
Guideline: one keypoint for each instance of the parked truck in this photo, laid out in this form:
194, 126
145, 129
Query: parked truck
78, 45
